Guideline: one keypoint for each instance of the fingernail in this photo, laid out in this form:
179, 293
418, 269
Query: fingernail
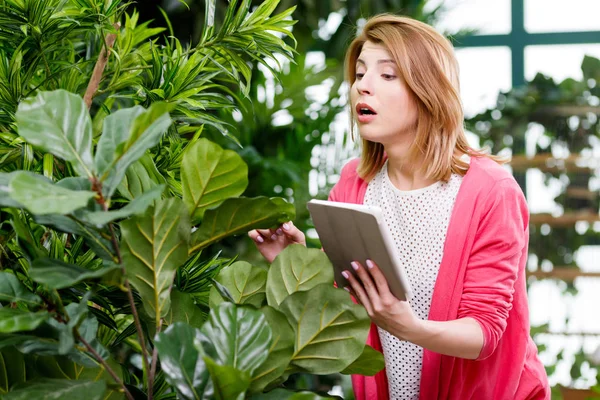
273, 236
286, 226
345, 274
370, 264
346, 289
354, 265
279, 232
260, 239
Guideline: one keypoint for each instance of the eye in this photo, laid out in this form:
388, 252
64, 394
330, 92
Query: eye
359, 76
388, 77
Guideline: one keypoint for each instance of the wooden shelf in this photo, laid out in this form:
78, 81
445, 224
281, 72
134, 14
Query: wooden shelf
566, 219
563, 273
546, 163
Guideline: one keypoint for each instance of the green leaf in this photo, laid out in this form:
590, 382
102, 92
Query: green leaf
295, 269
240, 215
16, 320
181, 359
228, 383
5, 199
154, 245
140, 177
183, 309
58, 389
330, 329
245, 283
144, 133
12, 290
368, 363
58, 122
138, 206
209, 176
58, 274
280, 352
236, 336
283, 394
42, 197
77, 313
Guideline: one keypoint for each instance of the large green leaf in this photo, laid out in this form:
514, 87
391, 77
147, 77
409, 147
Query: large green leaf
12, 290
183, 309
138, 206
295, 269
58, 389
236, 336
368, 363
280, 352
140, 177
58, 274
240, 215
5, 199
228, 383
209, 176
42, 197
16, 320
181, 359
144, 133
330, 329
154, 245
58, 122
245, 284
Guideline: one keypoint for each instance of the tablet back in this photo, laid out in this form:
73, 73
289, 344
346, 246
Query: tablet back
352, 232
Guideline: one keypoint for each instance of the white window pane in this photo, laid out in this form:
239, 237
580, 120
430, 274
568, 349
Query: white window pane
484, 71
558, 61
561, 16
488, 17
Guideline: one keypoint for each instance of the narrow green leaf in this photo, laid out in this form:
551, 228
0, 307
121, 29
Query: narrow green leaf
57, 274
245, 283
58, 389
368, 363
229, 383
330, 329
154, 245
58, 122
295, 269
236, 336
16, 320
42, 197
240, 215
209, 176
12, 290
181, 359
137, 206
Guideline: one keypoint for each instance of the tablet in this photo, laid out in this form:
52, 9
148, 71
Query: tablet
356, 232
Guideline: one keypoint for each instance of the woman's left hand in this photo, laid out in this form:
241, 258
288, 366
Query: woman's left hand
384, 309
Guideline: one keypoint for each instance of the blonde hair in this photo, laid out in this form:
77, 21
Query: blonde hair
427, 64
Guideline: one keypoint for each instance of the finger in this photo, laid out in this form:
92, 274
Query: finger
359, 292
257, 237
291, 231
268, 234
367, 283
378, 278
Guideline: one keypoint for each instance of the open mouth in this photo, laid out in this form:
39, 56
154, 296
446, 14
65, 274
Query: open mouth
364, 109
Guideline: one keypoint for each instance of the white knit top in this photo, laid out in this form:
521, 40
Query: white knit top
418, 221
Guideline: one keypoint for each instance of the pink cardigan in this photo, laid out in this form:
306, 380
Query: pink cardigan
482, 275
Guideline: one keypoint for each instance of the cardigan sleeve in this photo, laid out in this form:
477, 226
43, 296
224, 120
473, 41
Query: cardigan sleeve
494, 262
345, 186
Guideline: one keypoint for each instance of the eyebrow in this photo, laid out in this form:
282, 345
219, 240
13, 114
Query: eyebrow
382, 61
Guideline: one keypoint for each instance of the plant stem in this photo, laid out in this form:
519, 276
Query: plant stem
99, 67
153, 366
105, 365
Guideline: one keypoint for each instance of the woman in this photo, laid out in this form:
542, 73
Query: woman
459, 221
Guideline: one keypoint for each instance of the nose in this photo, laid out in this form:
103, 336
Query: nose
364, 85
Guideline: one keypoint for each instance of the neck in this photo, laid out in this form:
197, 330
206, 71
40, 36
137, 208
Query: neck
405, 174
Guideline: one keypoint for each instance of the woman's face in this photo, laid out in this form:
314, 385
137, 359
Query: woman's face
383, 106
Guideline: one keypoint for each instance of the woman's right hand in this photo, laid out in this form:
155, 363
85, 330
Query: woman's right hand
270, 242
